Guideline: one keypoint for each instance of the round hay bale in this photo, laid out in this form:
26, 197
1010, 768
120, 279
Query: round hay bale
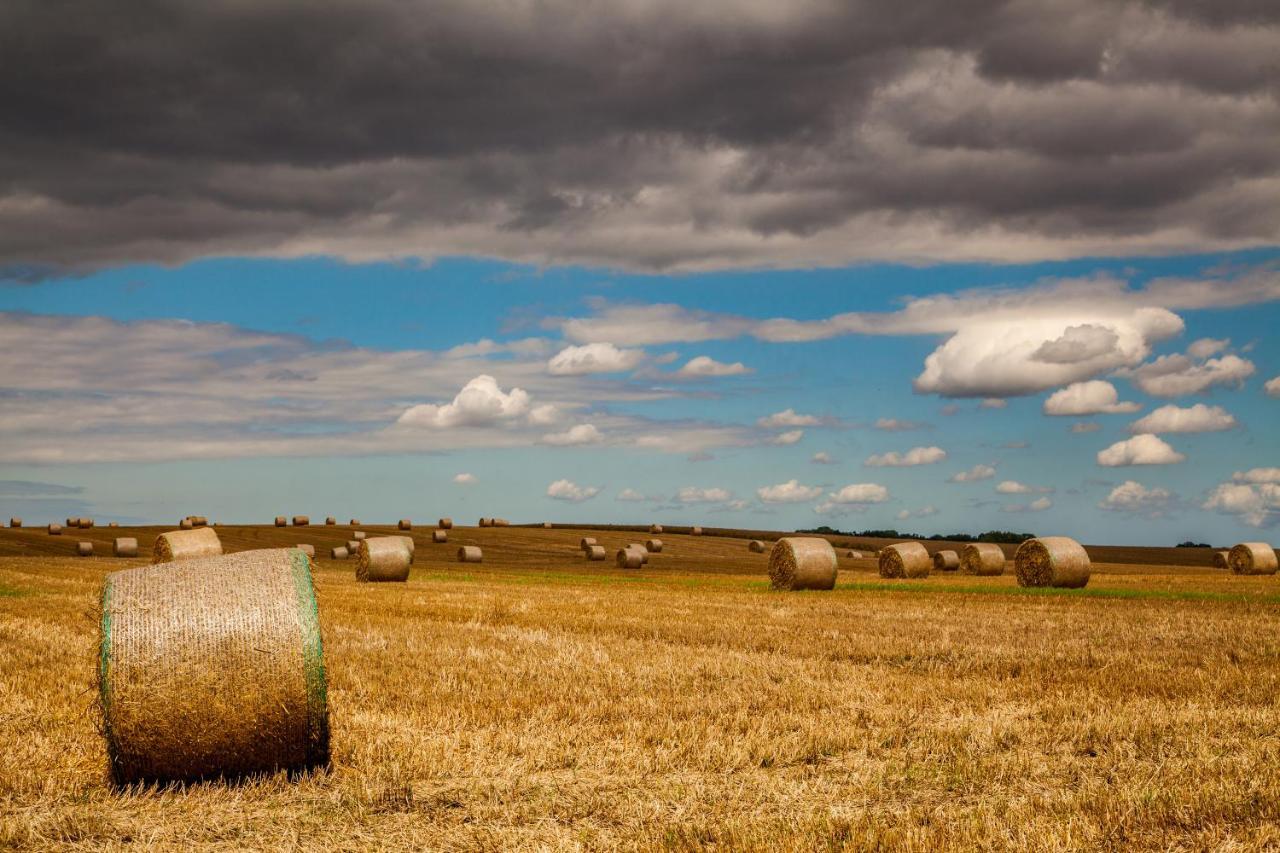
358, 534
1052, 561
653, 546
186, 545
655, 528
353, 545
330, 521
55, 529
114, 524
546, 525
405, 524
186, 524
470, 554
125, 546
445, 524
595, 553
439, 536
1252, 558
586, 542
641, 550
301, 520
982, 558
629, 558
1220, 560
696, 531
905, 560
355, 522
946, 561
755, 546
309, 550
339, 553
797, 562
383, 559
15, 522
84, 549
213, 669
409, 546
501, 522
853, 555
86, 523
484, 522
199, 521
281, 521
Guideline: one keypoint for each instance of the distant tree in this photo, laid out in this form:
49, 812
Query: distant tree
1190, 544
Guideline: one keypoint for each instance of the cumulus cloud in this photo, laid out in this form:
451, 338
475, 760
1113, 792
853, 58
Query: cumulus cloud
1272, 387
914, 456
704, 367
789, 437
1013, 487
1257, 505
822, 457
464, 479
789, 492
1135, 498
696, 495
1088, 398
567, 490
575, 435
481, 402
973, 475
896, 425
1178, 375
1197, 418
788, 418
1145, 449
630, 495
1205, 347
1037, 505
593, 358
855, 497
1257, 475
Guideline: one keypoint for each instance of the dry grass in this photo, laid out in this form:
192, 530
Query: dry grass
538, 700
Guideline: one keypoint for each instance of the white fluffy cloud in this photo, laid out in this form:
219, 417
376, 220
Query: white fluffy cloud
593, 358
974, 474
1197, 418
481, 402
788, 418
854, 497
705, 366
914, 456
695, 495
1178, 375
1257, 475
1037, 505
567, 490
1088, 398
789, 492
1272, 387
630, 495
1133, 497
464, 479
1205, 347
1257, 505
792, 436
1013, 487
1145, 449
897, 425
822, 457
575, 435
922, 512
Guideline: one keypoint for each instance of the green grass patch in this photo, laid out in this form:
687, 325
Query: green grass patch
11, 592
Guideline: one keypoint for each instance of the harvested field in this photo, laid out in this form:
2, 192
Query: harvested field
541, 700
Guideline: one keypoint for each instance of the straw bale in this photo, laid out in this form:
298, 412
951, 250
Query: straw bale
595, 553
281, 521
1252, 558
408, 544
1052, 561
439, 536
655, 528
905, 560
330, 521
946, 561
546, 525
982, 558
355, 522
799, 562
501, 522
353, 545
358, 534
639, 549
586, 542
213, 668
84, 549
653, 546
485, 522
383, 558
55, 529
15, 522
73, 522
755, 546
695, 531
853, 555
629, 558
1221, 560
445, 524
339, 553
309, 550
186, 545
125, 546
114, 524
405, 524
186, 524
301, 520
470, 554
85, 523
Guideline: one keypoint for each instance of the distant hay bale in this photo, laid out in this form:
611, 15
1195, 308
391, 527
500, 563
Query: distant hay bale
15, 522
439, 536
1057, 561
797, 562
982, 558
946, 561
84, 549
639, 549
198, 521
546, 525
186, 524
358, 534
470, 554
484, 522
501, 522
655, 528
353, 545
85, 523
586, 542
55, 529
629, 558
755, 546
695, 531
281, 521
114, 524
383, 559
125, 546
186, 545
339, 553
330, 521
853, 555
355, 522
445, 524
309, 550
1220, 560
595, 553
905, 560
301, 520
1252, 558
653, 546
213, 668
405, 524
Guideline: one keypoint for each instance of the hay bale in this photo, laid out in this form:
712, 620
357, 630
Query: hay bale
905, 560
484, 522
199, 520
445, 524
641, 550
281, 521
213, 669
1052, 561
1220, 560
84, 549
85, 523
546, 525
185, 524
629, 558
655, 528
353, 545
982, 558
501, 522
355, 522
439, 536
330, 521
339, 553
470, 554
755, 546
301, 521
114, 524
408, 545
853, 555
358, 534
383, 559
1252, 558
309, 550
186, 545
406, 524
55, 529
695, 531
802, 563
595, 553
946, 561
653, 546
586, 542
125, 546
15, 522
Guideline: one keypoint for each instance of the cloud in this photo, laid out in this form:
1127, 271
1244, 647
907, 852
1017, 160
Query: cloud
1257, 505
1204, 347
1085, 427
922, 512
593, 358
788, 418
464, 479
1013, 487
544, 415
1178, 375
973, 475
1145, 449
789, 437
822, 458
788, 492
481, 402
705, 366
1272, 387
1257, 475
896, 425
1196, 418
576, 435
914, 456
630, 495
1037, 505
994, 403
1088, 398
693, 494
567, 490
1133, 497
855, 497
646, 325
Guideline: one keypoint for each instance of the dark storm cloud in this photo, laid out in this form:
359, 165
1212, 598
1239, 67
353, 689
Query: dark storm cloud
644, 134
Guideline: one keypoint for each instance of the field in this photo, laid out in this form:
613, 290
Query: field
536, 700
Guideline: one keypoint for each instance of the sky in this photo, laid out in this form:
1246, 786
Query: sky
1008, 266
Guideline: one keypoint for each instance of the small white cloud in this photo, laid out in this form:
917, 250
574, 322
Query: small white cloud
630, 495
1197, 418
1257, 505
464, 479
896, 425
789, 437
695, 495
914, 456
1133, 497
922, 512
822, 458
705, 366
1272, 387
575, 435
973, 475
1013, 487
788, 418
481, 402
1037, 505
1205, 347
1178, 375
567, 490
593, 358
1085, 426
544, 415
788, 492
1257, 475
1088, 398
860, 493
993, 403
1145, 449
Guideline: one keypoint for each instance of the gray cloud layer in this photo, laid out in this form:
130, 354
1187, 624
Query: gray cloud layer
646, 134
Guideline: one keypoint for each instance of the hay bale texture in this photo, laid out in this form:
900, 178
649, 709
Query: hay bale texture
1221, 560
905, 560
546, 525
301, 521
485, 522
1052, 561
799, 562
55, 529
655, 528
595, 553
84, 549
125, 546
755, 546
383, 559
353, 545
586, 542
982, 558
15, 522
639, 549
470, 554
629, 558
946, 561
339, 553
86, 523
330, 521
409, 546
358, 534
309, 550
695, 531
405, 524
853, 555
213, 668
445, 524
355, 522
439, 536
186, 524
281, 521
186, 545
653, 546
1252, 558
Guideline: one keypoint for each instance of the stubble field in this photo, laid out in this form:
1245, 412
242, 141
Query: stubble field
537, 700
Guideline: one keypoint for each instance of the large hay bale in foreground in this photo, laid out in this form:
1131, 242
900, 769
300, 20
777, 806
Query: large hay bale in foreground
125, 546
629, 558
946, 561
445, 524
586, 542
84, 549
405, 524
470, 554
213, 668
301, 521
801, 562
339, 553
186, 545
383, 559
595, 553
15, 522
281, 521
755, 546
905, 560
439, 536
1052, 561
653, 546
655, 528
55, 529
1221, 560
982, 558
1252, 558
